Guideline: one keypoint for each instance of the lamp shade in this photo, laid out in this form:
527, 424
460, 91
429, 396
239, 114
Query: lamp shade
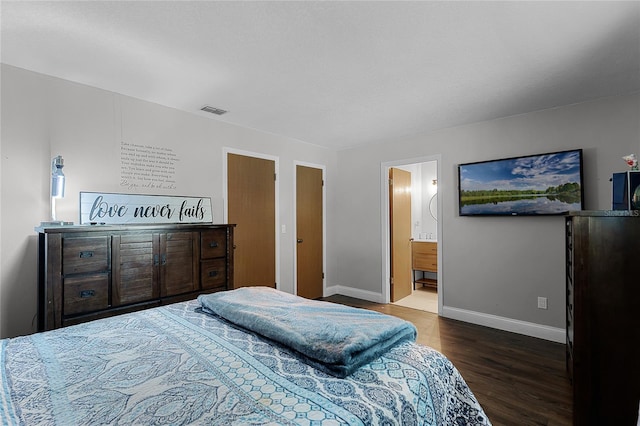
57, 177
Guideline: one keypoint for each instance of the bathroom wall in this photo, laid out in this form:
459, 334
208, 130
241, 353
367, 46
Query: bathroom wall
423, 200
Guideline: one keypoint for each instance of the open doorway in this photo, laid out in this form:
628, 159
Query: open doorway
423, 238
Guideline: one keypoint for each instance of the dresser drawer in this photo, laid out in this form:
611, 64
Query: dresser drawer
85, 294
425, 247
425, 262
85, 254
213, 273
213, 243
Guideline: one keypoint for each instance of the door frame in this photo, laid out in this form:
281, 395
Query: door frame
324, 224
386, 249
225, 198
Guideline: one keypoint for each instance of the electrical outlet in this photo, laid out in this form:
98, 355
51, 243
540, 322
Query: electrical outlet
542, 303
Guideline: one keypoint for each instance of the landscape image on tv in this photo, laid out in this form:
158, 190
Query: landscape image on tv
531, 185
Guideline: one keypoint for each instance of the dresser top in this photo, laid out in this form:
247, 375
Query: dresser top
49, 229
622, 213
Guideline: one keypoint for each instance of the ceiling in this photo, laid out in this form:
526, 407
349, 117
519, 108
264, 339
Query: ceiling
332, 73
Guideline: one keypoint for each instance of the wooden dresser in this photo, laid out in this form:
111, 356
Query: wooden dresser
603, 316
90, 272
424, 258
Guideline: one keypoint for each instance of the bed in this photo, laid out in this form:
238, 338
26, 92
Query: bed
187, 364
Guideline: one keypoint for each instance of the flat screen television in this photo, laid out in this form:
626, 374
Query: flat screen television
542, 184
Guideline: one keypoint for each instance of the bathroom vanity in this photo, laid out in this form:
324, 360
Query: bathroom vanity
424, 258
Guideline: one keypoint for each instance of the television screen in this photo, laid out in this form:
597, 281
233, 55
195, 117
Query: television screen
543, 184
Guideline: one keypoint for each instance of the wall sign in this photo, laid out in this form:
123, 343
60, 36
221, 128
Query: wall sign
125, 209
147, 166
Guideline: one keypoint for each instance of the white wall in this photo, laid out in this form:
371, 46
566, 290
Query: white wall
44, 116
493, 268
428, 222
422, 191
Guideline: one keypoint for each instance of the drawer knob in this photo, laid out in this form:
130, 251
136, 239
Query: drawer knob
213, 244
213, 273
87, 293
86, 254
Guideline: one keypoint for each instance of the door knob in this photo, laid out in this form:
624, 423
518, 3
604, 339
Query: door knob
299, 240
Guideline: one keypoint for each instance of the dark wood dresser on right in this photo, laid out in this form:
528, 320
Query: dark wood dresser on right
603, 316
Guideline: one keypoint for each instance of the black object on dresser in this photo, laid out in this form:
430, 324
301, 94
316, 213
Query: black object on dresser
603, 316
90, 272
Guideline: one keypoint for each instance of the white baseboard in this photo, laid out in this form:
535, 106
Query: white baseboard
370, 296
545, 332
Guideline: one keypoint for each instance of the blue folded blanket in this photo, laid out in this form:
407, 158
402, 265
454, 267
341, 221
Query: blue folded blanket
334, 338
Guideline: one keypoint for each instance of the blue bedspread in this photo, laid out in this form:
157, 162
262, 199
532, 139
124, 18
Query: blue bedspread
173, 366
335, 338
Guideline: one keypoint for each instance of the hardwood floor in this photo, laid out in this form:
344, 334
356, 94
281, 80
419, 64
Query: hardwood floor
518, 380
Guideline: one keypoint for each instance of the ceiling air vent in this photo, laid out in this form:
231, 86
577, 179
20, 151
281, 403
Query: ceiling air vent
212, 110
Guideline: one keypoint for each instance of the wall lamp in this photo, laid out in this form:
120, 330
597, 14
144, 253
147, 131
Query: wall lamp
57, 190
